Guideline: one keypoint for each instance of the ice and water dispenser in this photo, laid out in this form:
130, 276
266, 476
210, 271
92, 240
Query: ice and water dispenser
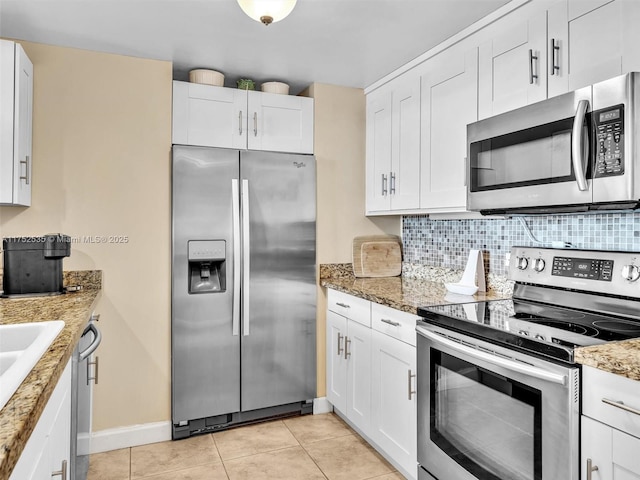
207, 266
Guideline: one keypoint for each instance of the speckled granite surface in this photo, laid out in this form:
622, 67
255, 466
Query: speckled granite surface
402, 293
621, 358
21, 413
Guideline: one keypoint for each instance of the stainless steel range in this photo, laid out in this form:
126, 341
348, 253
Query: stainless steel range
500, 389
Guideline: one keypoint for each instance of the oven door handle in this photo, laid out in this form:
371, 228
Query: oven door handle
494, 360
580, 146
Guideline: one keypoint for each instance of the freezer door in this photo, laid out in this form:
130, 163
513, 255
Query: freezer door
279, 290
205, 356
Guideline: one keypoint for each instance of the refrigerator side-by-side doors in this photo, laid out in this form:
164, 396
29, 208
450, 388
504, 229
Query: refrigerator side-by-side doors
279, 291
205, 349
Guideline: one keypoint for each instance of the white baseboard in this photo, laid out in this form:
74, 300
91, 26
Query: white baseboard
131, 436
321, 405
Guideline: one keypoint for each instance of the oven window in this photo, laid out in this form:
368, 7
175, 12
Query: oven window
535, 156
488, 424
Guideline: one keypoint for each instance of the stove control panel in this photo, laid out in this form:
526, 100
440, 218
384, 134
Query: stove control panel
598, 271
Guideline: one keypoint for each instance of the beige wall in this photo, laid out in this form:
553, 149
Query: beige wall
101, 166
339, 146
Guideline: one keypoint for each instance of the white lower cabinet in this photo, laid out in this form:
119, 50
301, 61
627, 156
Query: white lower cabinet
371, 368
610, 438
47, 452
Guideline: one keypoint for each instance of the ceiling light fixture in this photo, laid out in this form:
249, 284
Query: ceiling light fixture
267, 11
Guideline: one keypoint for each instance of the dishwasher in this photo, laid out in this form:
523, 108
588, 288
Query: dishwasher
84, 371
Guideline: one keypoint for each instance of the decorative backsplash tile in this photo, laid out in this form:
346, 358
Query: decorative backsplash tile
446, 243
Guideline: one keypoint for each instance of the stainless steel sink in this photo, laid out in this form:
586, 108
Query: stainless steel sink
21, 346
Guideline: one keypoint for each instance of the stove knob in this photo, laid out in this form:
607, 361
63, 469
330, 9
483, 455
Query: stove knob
522, 263
539, 337
538, 264
630, 272
524, 332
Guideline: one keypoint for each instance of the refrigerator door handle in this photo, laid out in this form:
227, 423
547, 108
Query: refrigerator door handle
245, 257
235, 202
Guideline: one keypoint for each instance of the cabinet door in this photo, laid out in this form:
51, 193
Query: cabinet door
449, 103
404, 175
394, 416
508, 75
359, 375
209, 116
336, 361
23, 128
60, 436
378, 150
280, 123
595, 37
624, 452
595, 439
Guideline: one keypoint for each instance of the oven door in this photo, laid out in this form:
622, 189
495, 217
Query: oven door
490, 413
535, 157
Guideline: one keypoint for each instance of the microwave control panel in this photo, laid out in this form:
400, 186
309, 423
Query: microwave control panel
608, 126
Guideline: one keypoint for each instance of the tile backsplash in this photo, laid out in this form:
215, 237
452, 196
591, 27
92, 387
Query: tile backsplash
446, 243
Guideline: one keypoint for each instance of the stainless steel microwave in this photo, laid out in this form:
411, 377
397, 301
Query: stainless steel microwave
572, 153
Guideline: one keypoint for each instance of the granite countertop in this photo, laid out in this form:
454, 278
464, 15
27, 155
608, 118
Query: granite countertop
21, 413
621, 358
402, 293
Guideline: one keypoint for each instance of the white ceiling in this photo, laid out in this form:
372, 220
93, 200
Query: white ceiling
342, 42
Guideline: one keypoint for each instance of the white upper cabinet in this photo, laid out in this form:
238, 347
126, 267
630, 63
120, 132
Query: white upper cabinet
449, 103
393, 146
16, 124
280, 123
513, 66
232, 118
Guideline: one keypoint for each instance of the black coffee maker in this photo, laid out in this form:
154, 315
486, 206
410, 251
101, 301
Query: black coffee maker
33, 265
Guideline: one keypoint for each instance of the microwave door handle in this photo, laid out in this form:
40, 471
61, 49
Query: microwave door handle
512, 365
579, 146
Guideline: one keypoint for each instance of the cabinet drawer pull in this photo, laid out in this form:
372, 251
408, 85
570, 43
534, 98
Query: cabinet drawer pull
532, 57
621, 406
390, 322
255, 124
590, 468
240, 122
392, 188
409, 377
340, 349
555, 48
384, 185
347, 353
95, 377
343, 305
62, 472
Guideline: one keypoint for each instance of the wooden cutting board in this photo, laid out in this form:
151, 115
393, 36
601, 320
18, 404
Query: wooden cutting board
377, 256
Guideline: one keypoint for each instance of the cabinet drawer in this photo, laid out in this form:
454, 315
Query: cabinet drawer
395, 323
598, 385
354, 308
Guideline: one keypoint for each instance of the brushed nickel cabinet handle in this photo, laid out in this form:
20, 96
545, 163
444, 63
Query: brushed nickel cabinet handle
255, 124
621, 406
95, 377
532, 57
26, 169
409, 377
392, 189
240, 122
343, 305
347, 353
62, 472
340, 349
555, 48
590, 468
384, 185
390, 322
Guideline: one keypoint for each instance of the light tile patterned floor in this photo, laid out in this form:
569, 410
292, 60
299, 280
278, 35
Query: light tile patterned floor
301, 448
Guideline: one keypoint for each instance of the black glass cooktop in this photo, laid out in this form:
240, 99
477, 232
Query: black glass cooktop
546, 330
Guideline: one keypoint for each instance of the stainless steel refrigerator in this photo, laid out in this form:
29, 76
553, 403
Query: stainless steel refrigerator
243, 335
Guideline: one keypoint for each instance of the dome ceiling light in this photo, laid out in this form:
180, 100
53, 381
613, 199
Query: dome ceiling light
267, 11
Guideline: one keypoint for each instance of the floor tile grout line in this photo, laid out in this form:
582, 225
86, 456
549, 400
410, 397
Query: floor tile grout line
226, 472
